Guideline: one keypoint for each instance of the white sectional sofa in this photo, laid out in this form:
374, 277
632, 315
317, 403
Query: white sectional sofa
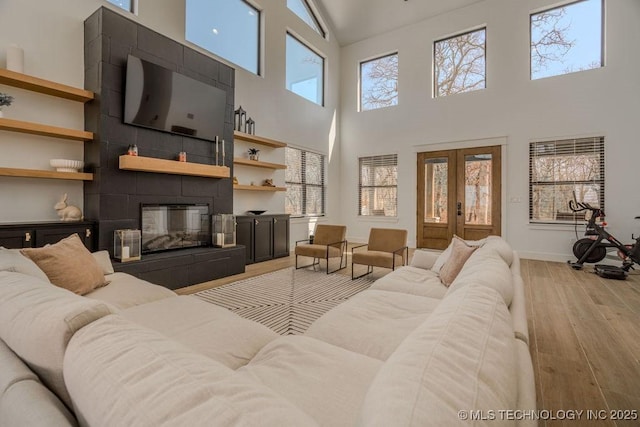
407, 352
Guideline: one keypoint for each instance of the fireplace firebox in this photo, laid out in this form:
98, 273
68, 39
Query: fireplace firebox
174, 226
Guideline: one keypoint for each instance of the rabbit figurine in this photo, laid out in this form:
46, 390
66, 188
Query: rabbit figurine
68, 212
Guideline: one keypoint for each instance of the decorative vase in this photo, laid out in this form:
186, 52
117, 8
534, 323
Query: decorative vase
253, 157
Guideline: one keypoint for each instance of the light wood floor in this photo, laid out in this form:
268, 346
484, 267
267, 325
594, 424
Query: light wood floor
584, 337
585, 340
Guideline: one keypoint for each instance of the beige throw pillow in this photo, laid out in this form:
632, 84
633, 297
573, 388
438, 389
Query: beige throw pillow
68, 264
460, 253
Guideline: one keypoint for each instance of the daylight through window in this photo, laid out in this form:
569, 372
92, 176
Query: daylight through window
305, 71
305, 182
379, 82
378, 186
562, 170
304, 11
460, 63
567, 39
124, 4
227, 28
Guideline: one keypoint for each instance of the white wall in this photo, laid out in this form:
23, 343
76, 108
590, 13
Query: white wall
52, 33
604, 101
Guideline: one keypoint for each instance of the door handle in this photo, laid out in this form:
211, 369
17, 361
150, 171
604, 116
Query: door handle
275, 220
27, 237
256, 222
459, 208
87, 233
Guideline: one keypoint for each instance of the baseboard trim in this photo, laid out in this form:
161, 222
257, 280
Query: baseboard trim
545, 256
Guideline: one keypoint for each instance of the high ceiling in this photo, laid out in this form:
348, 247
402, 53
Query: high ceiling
356, 20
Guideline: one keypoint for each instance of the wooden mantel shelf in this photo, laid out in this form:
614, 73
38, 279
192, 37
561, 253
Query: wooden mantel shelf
257, 188
35, 173
173, 167
258, 140
35, 84
44, 130
258, 164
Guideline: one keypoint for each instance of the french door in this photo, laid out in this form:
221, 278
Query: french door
459, 192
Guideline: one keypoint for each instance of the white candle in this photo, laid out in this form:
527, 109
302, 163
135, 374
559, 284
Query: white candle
216, 142
125, 252
223, 152
15, 58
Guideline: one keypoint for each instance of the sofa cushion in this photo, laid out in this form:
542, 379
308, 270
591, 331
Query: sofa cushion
423, 259
125, 290
501, 246
325, 381
12, 369
444, 256
29, 403
104, 261
13, 260
460, 253
372, 322
68, 264
37, 321
487, 268
412, 280
461, 358
207, 328
122, 374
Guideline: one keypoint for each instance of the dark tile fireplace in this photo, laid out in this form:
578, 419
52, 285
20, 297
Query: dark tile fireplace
114, 198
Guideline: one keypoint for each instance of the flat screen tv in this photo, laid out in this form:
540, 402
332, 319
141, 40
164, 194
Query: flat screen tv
162, 99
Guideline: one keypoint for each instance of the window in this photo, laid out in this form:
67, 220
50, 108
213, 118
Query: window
562, 170
460, 63
378, 186
304, 178
227, 28
379, 82
305, 71
124, 4
304, 11
567, 39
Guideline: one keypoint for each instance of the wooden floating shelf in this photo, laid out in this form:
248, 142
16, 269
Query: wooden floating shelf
44, 130
35, 84
258, 164
34, 173
258, 140
172, 167
257, 188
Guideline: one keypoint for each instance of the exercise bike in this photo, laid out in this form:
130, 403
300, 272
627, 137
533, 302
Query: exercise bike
593, 248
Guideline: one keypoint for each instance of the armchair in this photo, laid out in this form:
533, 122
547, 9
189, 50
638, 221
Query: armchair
387, 248
329, 242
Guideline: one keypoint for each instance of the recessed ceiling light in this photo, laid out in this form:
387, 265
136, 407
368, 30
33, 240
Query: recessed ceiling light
214, 31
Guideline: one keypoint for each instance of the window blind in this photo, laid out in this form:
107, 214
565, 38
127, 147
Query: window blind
561, 170
378, 185
305, 181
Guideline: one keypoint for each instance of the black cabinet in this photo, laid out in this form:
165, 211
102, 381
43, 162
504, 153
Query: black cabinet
244, 236
280, 236
265, 237
35, 235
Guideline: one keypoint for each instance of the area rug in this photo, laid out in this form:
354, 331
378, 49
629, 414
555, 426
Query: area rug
287, 300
